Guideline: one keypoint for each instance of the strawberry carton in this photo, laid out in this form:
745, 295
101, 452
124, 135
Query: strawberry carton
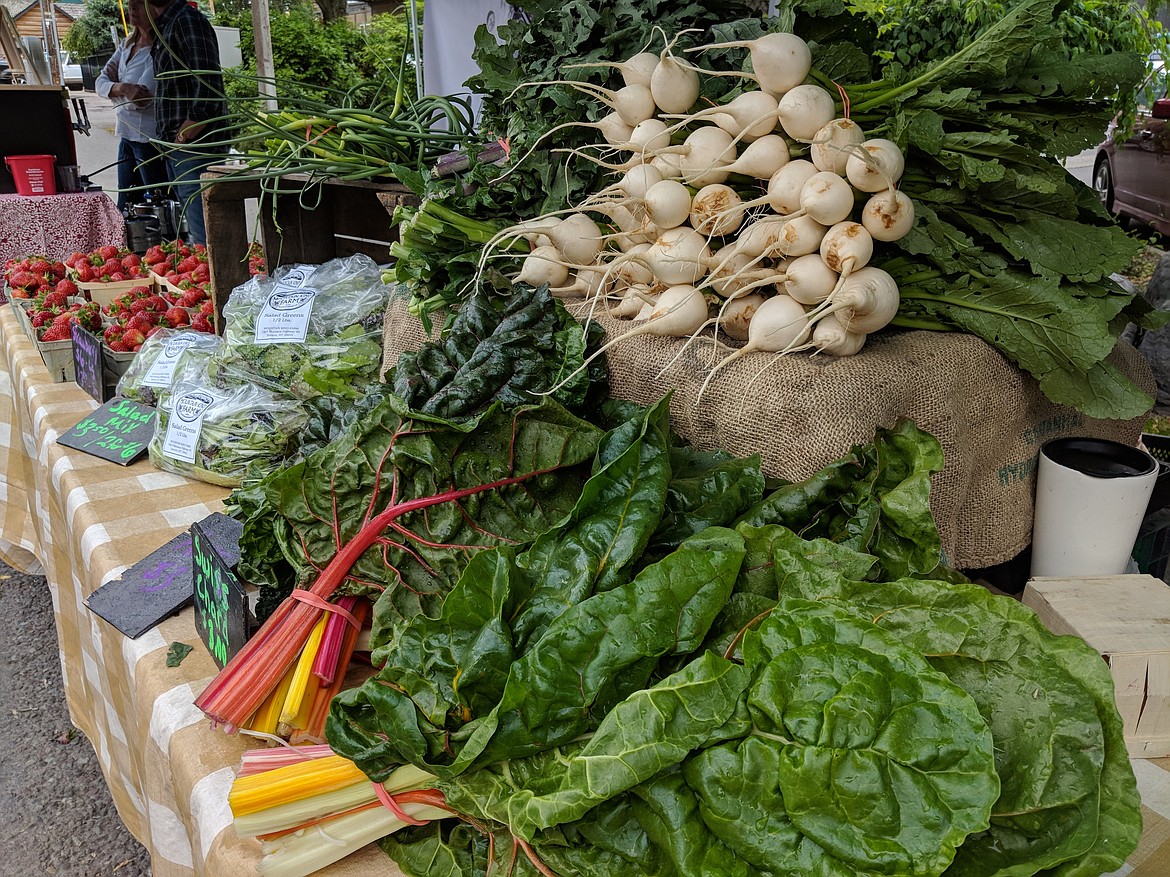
52, 331
33, 275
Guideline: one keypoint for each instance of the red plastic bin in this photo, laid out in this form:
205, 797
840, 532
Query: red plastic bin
33, 174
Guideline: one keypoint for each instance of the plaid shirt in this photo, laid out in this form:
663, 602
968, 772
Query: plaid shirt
185, 42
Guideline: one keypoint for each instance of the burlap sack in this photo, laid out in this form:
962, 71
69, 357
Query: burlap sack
804, 411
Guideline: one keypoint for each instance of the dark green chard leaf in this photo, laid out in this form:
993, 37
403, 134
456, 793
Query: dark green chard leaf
1067, 790
875, 500
877, 758
607, 531
498, 348
666, 610
707, 489
646, 734
393, 455
588, 659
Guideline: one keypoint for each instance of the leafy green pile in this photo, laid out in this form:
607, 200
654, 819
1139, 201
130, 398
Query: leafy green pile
851, 722
447, 426
1007, 245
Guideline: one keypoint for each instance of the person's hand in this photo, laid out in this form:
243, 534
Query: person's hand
189, 130
130, 91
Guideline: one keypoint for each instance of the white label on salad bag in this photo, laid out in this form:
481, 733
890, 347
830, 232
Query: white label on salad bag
181, 441
163, 370
285, 315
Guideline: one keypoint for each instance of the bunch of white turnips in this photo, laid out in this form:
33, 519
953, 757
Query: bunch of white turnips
789, 268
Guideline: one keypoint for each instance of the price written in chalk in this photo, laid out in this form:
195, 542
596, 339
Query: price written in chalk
119, 431
221, 606
87, 362
162, 582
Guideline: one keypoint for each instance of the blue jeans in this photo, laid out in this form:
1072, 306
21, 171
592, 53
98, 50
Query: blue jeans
185, 168
139, 164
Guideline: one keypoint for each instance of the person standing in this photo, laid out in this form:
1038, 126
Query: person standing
128, 81
189, 103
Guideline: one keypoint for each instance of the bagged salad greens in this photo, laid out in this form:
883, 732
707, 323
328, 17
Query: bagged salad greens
213, 423
150, 372
309, 329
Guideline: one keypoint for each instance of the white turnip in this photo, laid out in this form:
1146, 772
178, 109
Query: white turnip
833, 144
888, 215
714, 210
778, 323
875, 165
781, 61
636, 70
761, 158
804, 110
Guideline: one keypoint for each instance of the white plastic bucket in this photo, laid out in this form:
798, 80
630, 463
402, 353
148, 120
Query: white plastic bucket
1091, 497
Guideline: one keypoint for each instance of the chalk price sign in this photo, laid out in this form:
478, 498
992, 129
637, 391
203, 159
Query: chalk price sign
161, 583
87, 362
119, 432
221, 606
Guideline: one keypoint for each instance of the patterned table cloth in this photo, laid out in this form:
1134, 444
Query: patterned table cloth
58, 225
85, 521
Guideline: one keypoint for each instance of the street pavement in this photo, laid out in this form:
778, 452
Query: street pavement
98, 152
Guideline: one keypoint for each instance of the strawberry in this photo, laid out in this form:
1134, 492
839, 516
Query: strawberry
65, 319
85, 273
155, 330
133, 338
22, 280
113, 333
139, 323
40, 318
56, 300
157, 303
187, 265
177, 317
74, 259
66, 287
108, 252
202, 274
207, 308
118, 346
131, 261
200, 323
56, 332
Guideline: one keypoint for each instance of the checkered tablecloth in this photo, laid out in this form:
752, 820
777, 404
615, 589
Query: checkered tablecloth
85, 521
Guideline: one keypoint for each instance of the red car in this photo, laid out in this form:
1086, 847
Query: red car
1133, 178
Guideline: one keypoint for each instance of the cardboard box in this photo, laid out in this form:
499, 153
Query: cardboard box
1127, 620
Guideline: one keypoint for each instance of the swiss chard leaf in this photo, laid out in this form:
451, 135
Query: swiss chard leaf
876, 758
498, 348
875, 500
588, 659
1066, 788
392, 456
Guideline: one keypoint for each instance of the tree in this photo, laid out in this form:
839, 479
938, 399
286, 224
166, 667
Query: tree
90, 33
331, 10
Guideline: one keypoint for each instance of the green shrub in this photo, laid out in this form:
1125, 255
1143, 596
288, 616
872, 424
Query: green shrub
90, 33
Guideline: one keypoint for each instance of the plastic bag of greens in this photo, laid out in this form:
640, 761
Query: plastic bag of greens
213, 429
152, 369
309, 329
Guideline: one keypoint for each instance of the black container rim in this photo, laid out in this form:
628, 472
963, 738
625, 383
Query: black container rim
1135, 458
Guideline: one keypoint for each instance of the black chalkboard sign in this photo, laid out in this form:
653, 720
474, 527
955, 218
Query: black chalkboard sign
221, 606
119, 431
87, 362
161, 583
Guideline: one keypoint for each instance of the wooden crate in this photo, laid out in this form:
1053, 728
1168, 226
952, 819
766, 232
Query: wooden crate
328, 219
1127, 620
